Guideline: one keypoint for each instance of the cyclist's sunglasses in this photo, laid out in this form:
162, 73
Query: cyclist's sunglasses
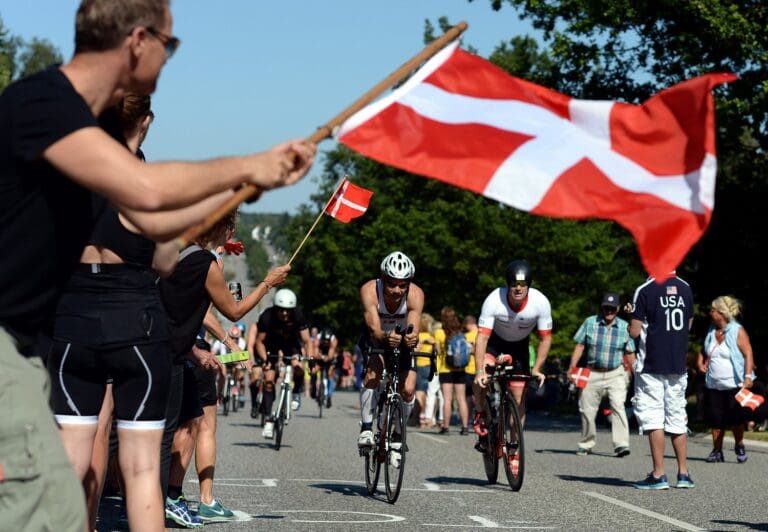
402, 285
520, 283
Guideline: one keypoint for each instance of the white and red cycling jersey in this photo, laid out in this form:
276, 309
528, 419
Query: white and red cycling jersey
497, 318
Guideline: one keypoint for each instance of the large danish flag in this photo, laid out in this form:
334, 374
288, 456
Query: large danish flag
466, 122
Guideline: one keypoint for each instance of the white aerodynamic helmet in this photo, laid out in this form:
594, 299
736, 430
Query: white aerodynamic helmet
397, 265
285, 298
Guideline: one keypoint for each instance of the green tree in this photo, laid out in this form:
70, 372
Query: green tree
19, 58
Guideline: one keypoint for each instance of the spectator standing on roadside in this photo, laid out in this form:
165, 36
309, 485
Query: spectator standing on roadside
470, 330
605, 337
662, 315
426, 345
727, 361
452, 380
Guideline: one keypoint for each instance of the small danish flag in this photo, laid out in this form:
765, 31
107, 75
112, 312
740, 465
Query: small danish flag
749, 399
580, 377
350, 201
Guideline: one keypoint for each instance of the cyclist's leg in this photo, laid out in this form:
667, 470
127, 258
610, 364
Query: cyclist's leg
256, 374
331, 379
270, 387
407, 384
369, 396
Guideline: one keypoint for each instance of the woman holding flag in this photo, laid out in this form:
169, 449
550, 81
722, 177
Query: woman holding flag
727, 361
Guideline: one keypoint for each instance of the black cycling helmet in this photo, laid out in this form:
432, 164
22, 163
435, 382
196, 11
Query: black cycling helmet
326, 334
518, 270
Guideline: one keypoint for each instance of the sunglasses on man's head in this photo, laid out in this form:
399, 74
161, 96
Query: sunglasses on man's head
520, 284
402, 285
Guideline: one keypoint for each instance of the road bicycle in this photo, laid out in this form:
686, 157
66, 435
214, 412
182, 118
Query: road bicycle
505, 440
322, 387
282, 412
389, 447
231, 393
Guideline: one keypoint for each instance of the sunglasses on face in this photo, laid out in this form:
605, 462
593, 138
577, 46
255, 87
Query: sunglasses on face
402, 285
519, 284
610, 310
170, 42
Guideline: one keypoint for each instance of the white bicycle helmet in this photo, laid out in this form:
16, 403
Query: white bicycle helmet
285, 298
397, 265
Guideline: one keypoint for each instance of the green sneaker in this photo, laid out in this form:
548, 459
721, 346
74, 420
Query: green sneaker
215, 512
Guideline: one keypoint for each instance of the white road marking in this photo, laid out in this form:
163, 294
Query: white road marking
431, 486
253, 482
388, 518
483, 521
431, 438
643, 511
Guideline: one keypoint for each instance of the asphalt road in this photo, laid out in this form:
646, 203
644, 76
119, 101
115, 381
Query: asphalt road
316, 482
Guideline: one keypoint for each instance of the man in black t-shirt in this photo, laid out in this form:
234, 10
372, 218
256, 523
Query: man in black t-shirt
52, 155
283, 337
662, 315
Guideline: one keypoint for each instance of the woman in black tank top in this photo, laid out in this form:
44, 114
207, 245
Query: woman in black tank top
110, 325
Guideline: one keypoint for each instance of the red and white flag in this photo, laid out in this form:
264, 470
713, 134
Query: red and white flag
350, 201
466, 122
749, 399
580, 377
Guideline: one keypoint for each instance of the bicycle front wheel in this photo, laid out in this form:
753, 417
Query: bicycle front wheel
235, 400
372, 468
394, 466
280, 422
490, 442
320, 398
513, 444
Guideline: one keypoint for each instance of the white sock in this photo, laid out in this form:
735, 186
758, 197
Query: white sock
367, 405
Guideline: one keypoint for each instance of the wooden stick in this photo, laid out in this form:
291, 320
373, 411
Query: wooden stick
335, 192
323, 132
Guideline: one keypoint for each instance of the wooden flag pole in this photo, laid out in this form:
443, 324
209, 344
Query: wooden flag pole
335, 192
250, 191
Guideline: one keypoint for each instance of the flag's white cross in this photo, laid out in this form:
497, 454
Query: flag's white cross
340, 200
580, 377
557, 145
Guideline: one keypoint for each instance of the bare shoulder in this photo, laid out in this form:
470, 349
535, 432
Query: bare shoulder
415, 296
368, 291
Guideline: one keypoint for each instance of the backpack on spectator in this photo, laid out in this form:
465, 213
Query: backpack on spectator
458, 351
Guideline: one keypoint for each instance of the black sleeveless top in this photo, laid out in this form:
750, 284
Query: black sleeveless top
133, 248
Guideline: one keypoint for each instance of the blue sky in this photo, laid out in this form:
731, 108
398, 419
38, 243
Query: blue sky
261, 72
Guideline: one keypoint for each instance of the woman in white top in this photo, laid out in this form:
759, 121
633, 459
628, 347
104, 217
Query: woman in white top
727, 361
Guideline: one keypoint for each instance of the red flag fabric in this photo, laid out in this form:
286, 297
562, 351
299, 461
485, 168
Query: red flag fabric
350, 201
466, 122
580, 377
749, 399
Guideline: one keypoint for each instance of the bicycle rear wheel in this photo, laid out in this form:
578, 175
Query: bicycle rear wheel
513, 444
394, 467
490, 458
280, 421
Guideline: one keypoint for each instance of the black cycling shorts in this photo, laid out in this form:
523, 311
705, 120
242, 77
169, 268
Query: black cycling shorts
141, 378
519, 351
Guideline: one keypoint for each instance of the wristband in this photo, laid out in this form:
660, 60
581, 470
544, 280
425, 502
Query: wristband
480, 372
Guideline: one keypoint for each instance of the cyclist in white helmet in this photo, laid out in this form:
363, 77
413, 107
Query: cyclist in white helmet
388, 302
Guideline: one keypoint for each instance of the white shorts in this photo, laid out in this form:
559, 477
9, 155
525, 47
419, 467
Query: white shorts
660, 402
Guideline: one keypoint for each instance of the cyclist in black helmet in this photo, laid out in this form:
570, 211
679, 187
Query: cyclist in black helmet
325, 353
508, 316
